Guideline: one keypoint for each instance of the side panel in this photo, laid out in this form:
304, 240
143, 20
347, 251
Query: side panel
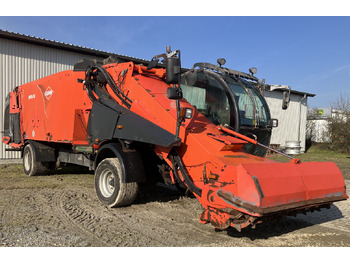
12, 119
50, 105
15, 127
102, 122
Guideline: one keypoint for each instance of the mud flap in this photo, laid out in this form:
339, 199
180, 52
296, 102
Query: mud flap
131, 162
43, 153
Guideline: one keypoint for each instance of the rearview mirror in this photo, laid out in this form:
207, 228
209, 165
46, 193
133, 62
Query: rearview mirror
174, 93
173, 70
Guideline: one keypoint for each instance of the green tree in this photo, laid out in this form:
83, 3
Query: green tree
339, 125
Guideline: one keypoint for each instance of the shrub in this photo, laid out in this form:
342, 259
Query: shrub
338, 125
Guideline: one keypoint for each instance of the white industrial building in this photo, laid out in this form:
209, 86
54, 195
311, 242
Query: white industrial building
292, 121
318, 119
25, 58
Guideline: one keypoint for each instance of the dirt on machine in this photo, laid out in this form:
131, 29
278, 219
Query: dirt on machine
205, 130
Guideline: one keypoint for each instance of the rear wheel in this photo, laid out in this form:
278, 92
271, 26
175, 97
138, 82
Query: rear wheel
110, 188
31, 166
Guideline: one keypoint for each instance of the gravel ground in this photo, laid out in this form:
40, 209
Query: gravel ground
62, 210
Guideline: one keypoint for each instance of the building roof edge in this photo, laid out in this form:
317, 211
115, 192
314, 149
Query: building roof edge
65, 46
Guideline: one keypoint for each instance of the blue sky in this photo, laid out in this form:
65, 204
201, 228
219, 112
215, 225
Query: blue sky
310, 54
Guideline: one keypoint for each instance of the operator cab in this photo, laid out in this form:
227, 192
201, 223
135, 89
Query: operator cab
229, 97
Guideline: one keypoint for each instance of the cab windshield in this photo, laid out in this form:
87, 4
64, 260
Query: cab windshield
253, 110
212, 96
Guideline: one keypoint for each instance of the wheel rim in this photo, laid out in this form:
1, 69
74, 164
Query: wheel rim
27, 160
107, 183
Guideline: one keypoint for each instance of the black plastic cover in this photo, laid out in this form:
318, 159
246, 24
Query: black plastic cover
106, 123
85, 63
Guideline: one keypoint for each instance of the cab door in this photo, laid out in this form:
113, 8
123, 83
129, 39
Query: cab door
211, 96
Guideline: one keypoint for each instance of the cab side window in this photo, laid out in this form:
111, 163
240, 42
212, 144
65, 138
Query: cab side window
208, 96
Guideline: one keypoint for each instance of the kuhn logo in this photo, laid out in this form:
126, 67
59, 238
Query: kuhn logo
48, 93
31, 96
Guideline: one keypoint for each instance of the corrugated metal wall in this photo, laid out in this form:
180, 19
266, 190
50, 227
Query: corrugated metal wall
22, 62
289, 128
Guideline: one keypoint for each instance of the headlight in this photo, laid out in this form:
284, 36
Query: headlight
186, 113
273, 122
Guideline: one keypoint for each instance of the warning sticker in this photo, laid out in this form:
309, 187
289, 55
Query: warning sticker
48, 93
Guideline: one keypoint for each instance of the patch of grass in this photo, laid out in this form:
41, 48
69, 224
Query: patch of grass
12, 176
317, 154
8, 168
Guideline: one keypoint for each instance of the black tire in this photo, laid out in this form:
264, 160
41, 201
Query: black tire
109, 186
30, 165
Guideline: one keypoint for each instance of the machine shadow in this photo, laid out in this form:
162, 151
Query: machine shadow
158, 192
269, 229
287, 224
70, 169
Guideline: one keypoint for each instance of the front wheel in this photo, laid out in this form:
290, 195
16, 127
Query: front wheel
110, 188
32, 167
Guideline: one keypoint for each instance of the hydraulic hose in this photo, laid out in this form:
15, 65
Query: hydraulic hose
176, 160
89, 84
112, 84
